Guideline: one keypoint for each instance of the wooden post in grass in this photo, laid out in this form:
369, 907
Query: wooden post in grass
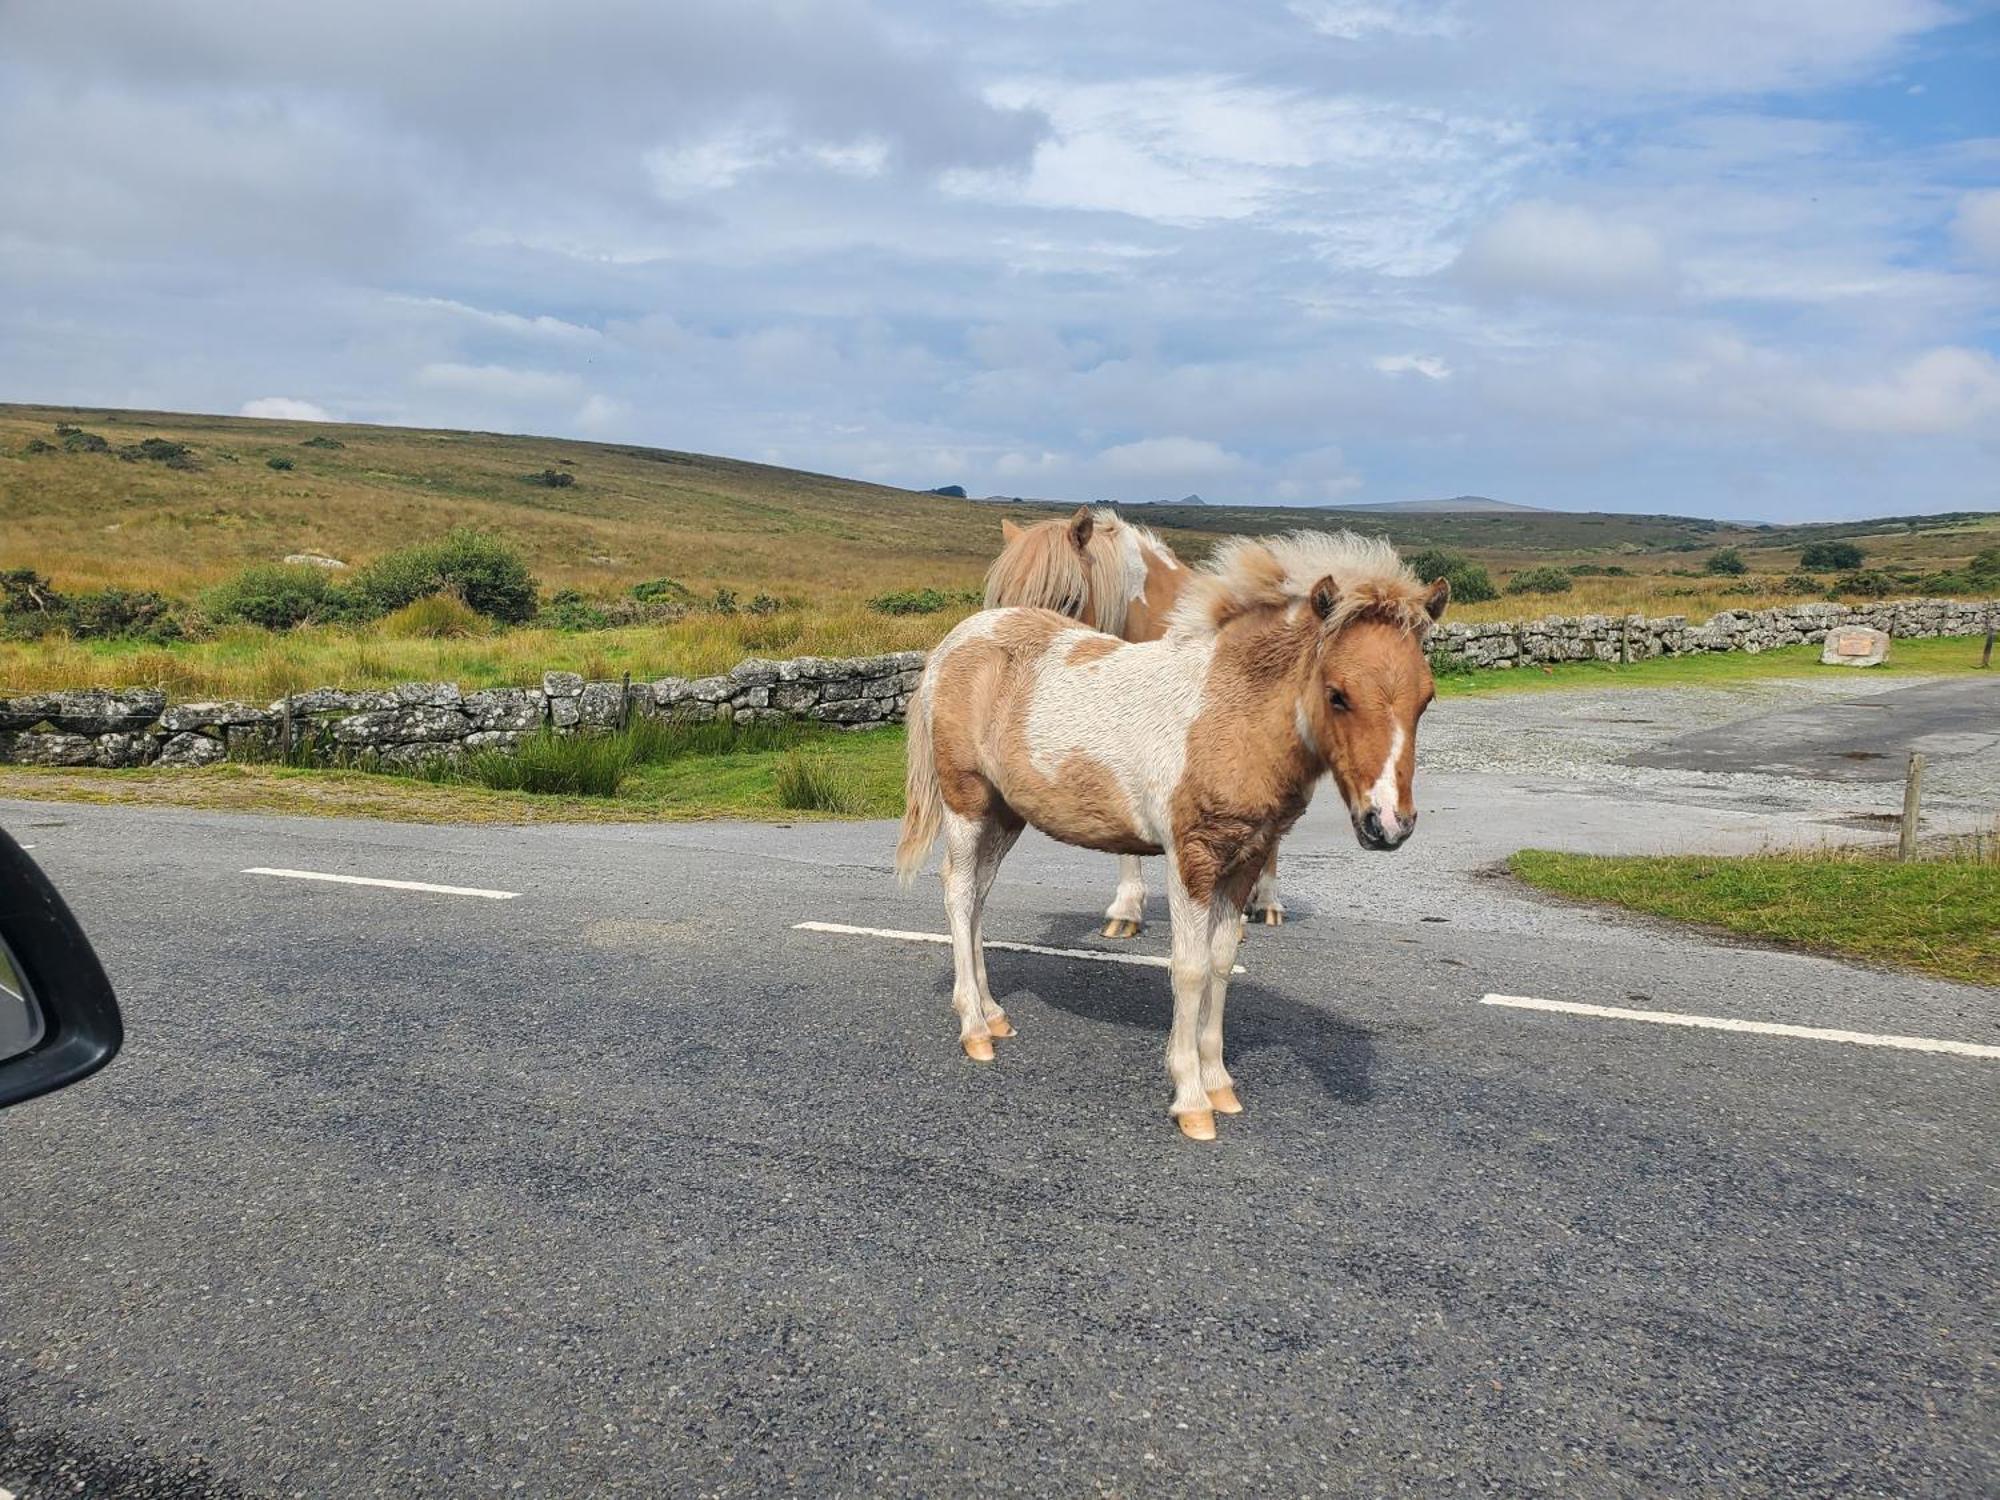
288, 729
1906, 846
625, 704
1625, 642
1986, 656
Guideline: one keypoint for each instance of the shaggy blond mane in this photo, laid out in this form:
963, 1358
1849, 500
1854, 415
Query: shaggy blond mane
1253, 573
1041, 567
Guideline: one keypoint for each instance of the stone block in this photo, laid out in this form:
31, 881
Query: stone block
190, 749
562, 684
601, 704
96, 711
1854, 646
504, 709
52, 749
180, 717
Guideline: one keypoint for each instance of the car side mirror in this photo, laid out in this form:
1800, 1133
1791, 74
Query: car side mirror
58, 1018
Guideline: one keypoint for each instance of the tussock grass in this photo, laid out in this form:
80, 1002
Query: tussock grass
547, 764
1938, 915
814, 783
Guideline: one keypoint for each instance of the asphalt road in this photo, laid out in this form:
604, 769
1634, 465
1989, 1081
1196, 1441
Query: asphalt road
1854, 739
625, 1186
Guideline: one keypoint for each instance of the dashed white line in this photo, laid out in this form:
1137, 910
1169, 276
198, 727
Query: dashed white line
1762, 1028
393, 885
1142, 960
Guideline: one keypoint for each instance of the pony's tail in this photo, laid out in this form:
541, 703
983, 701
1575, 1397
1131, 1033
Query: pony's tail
923, 802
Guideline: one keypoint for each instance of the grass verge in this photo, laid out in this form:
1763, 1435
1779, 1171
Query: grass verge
740, 780
1939, 915
1948, 657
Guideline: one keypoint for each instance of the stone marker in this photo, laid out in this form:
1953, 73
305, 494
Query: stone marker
1854, 646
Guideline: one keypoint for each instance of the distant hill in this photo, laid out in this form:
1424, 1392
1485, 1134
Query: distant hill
1457, 505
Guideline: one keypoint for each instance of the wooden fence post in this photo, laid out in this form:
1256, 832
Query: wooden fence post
1906, 845
1986, 656
625, 704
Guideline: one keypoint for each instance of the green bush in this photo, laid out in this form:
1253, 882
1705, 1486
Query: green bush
1985, 567
30, 608
1470, 583
662, 591
160, 451
567, 609
277, 596
1830, 557
1728, 563
1443, 664
1802, 583
38, 445
280, 464
322, 442
1868, 584
76, 440
1540, 581
1597, 570
911, 602
553, 479
482, 570
763, 604
810, 783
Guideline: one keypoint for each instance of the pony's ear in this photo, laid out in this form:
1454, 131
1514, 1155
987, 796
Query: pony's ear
1008, 530
1325, 597
1079, 527
1438, 597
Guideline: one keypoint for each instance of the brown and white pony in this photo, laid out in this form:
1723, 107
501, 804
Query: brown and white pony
1097, 567
1286, 658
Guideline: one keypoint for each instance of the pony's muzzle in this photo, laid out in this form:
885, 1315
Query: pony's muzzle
1375, 834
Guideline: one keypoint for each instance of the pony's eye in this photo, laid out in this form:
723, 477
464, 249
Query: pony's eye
1336, 699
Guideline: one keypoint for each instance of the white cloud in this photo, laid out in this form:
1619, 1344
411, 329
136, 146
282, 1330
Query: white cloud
1941, 391
499, 382
1354, 20
540, 326
1567, 254
1168, 456
1977, 226
1427, 365
602, 415
285, 408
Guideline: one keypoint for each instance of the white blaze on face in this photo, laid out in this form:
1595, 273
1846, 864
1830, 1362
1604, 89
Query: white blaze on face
1382, 796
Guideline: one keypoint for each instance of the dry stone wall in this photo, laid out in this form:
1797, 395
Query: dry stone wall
420, 721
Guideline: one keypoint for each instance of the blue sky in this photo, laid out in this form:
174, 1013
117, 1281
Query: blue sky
1721, 257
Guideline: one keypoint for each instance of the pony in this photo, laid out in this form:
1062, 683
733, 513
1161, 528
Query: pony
1121, 579
1284, 659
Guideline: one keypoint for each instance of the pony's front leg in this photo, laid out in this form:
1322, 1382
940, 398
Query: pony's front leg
1125, 917
1264, 903
1194, 921
1215, 1079
963, 838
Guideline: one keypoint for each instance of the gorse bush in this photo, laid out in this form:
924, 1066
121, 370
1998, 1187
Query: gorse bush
277, 596
322, 442
1830, 557
280, 464
1728, 563
482, 570
662, 591
914, 602
553, 479
1869, 583
76, 440
30, 608
1470, 583
159, 450
1540, 581
1802, 583
567, 609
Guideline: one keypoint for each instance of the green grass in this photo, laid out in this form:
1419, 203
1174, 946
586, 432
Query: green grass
1938, 915
1930, 658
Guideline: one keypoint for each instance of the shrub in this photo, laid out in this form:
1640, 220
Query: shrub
159, 450
1443, 664
1985, 566
724, 602
76, 440
810, 783
764, 604
1470, 583
1801, 583
910, 602
322, 442
662, 591
280, 464
1868, 583
123, 614
1597, 570
1540, 581
569, 610
560, 765
1728, 563
553, 479
482, 570
277, 596
38, 445
436, 617
1830, 557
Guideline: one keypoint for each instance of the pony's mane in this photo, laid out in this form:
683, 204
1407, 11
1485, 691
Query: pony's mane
1040, 567
1251, 573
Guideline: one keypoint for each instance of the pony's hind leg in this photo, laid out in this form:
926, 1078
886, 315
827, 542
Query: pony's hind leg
1125, 917
992, 849
1264, 904
968, 845
1194, 923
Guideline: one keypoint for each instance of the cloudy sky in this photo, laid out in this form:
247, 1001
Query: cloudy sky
1725, 257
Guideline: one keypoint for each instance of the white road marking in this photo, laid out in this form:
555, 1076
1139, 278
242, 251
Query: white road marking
3, 1494
1143, 960
394, 885
1763, 1028
7, 1494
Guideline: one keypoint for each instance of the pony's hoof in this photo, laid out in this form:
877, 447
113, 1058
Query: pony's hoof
978, 1048
1225, 1101
1198, 1124
1122, 927
1274, 916
999, 1026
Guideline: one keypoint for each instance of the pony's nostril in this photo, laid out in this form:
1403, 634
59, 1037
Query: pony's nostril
1371, 825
